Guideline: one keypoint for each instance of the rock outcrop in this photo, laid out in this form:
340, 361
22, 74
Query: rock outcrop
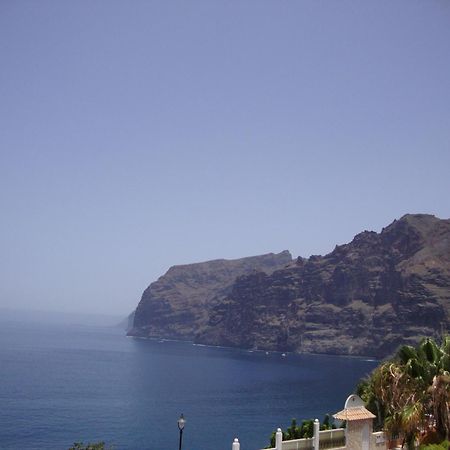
365, 298
177, 305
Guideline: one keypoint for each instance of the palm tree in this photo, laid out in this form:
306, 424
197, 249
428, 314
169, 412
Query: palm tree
440, 395
406, 422
435, 380
403, 400
417, 382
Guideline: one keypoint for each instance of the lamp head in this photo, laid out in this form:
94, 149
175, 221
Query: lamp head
181, 422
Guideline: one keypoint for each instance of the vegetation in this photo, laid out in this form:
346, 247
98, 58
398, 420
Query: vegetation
89, 446
305, 430
442, 446
410, 395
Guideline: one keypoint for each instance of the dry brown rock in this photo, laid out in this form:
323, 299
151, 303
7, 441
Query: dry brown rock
365, 298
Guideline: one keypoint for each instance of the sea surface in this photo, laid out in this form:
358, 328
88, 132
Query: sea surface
65, 383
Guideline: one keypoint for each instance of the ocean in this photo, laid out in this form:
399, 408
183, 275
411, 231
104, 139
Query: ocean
60, 384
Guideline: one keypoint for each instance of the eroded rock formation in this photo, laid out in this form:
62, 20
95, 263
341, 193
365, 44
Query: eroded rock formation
177, 305
365, 298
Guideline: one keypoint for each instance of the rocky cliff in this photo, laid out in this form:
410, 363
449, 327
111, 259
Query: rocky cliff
364, 298
177, 305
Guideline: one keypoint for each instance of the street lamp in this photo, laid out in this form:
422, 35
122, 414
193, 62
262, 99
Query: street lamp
181, 423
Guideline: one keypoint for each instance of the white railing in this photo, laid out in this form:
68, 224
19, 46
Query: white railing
298, 444
332, 438
325, 439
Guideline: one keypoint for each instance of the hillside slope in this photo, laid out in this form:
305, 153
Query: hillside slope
176, 305
364, 298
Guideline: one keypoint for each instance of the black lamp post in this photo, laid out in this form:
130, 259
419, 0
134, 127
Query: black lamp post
181, 423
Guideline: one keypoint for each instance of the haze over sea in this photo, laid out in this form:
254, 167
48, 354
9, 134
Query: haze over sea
63, 383
135, 136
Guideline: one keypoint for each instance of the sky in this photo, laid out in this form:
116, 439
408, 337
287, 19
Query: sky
139, 135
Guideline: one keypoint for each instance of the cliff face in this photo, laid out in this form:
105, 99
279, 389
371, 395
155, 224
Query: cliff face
176, 306
364, 298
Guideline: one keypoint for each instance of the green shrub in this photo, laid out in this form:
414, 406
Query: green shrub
89, 446
305, 430
442, 446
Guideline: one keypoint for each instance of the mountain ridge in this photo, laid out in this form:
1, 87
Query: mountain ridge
365, 297
175, 306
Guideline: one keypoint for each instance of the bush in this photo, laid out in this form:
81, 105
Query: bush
305, 430
89, 446
442, 446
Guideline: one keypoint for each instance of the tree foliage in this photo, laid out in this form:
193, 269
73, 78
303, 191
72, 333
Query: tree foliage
412, 391
89, 446
442, 446
305, 430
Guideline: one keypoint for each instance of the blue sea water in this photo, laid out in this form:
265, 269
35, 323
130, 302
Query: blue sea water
65, 383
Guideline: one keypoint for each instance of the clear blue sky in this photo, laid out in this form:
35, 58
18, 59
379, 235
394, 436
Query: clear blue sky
139, 135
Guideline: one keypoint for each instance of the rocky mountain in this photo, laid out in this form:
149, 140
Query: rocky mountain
364, 298
177, 305
127, 323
